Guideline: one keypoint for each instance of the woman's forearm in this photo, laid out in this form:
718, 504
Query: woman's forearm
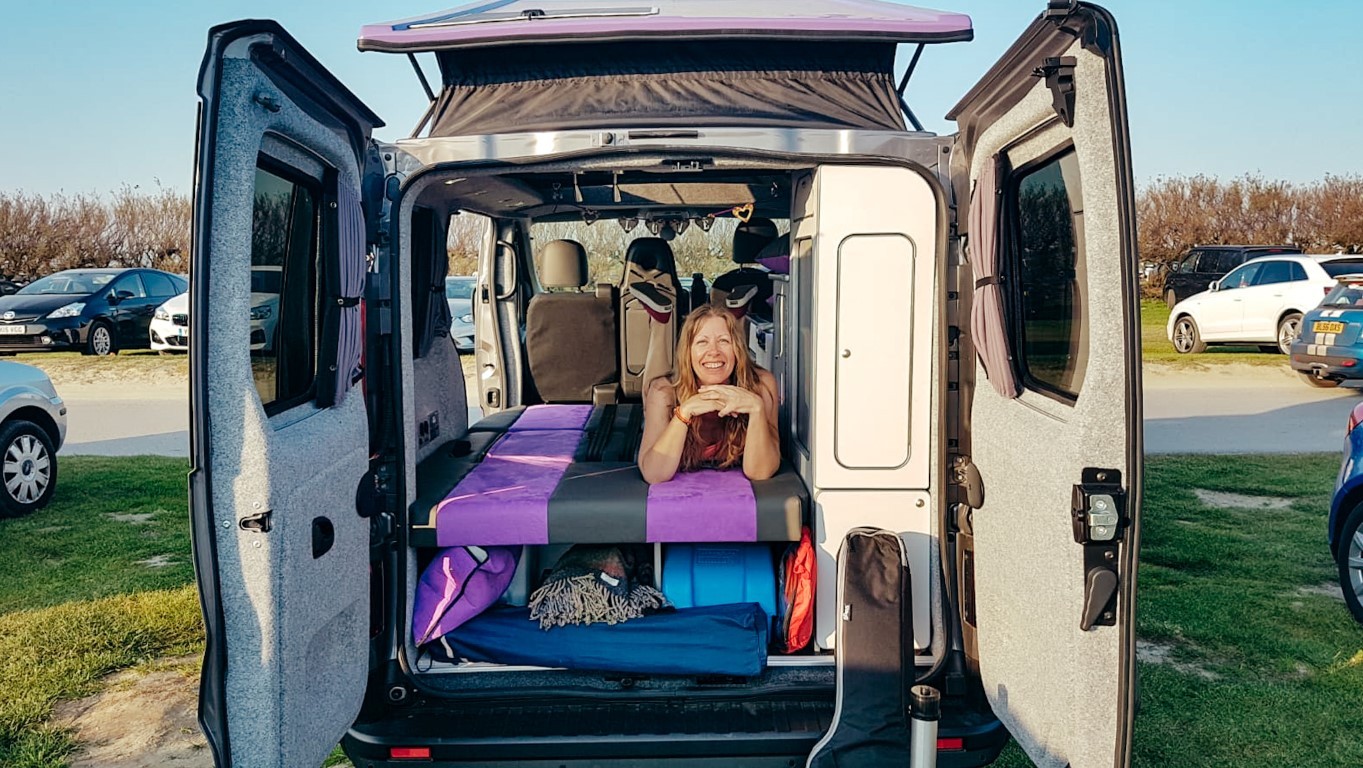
761, 452
659, 463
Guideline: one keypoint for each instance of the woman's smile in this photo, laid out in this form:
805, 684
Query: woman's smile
712, 352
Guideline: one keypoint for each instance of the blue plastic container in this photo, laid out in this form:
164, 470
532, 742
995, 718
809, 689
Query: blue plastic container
719, 574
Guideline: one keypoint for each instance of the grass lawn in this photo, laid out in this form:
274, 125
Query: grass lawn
1261, 663
1156, 347
135, 365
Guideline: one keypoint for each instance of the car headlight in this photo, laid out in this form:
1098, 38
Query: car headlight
162, 314
261, 313
70, 310
466, 318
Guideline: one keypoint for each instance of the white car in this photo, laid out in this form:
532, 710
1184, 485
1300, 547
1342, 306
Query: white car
32, 428
1259, 302
170, 325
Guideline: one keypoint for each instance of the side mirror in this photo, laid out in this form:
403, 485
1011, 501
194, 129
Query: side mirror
1214, 285
116, 297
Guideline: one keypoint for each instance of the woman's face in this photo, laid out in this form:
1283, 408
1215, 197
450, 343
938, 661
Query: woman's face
712, 352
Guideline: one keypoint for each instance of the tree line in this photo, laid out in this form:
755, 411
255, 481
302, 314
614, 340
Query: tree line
41, 234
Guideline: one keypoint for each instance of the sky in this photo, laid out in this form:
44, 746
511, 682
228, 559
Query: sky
98, 95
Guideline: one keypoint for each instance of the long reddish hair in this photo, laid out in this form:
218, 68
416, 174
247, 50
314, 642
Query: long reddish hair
686, 384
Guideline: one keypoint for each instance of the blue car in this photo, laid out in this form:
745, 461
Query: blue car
1329, 347
459, 294
1346, 516
95, 311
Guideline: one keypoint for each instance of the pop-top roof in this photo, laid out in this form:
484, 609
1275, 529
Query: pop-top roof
500, 22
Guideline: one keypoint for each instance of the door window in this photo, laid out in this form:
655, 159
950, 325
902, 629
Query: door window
1275, 272
1189, 263
130, 283
1226, 261
284, 239
1047, 252
158, 284
1242, 277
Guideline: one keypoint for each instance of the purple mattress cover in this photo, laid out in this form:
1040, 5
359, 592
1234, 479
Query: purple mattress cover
541, 417
679, 19
706, 505
505, 499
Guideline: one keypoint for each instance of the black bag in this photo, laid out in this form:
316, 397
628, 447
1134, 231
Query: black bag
874, 652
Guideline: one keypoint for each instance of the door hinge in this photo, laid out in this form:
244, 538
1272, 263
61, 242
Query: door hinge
965, 474
1059, 74
257, 523
1098, 519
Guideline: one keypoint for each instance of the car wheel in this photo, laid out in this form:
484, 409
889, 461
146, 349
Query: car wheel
1170, 298
28, 468
1288, 328
1316, 381
1351, 562
101, 341
1186, 338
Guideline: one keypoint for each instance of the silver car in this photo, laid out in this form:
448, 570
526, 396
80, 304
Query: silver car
32, 428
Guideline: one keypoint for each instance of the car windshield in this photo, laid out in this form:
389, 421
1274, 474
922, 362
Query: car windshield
459, 287
1348, 294
267, 280
62, 283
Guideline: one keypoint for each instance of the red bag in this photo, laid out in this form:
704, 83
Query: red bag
795, 609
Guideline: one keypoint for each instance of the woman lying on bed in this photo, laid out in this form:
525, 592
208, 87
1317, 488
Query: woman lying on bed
718, 409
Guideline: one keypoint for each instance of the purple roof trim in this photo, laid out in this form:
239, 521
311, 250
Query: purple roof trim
679, 19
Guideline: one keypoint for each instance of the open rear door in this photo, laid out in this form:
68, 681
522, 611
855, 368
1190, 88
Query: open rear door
279, 439
1048, 556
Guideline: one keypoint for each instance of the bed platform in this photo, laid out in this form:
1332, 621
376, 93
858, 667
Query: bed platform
565, 474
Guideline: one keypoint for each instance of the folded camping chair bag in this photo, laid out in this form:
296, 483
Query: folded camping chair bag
711, 640
874, 653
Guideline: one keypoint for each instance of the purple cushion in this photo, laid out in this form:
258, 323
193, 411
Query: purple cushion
538, 417
460, 583
705, 505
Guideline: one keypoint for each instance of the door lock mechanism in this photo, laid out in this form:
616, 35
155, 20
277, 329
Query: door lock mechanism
1096, 514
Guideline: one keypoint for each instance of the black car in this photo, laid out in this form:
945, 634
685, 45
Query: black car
97, 311
9, 286
1204, 263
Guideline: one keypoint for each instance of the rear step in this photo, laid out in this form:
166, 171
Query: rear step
743, 732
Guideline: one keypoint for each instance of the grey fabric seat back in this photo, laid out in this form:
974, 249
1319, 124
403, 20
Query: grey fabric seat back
647, 338
570, 337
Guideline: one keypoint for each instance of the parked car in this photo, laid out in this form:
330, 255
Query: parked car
1330, 347
32, 429
1195, 272
1260, 302
459, 294
1344, 527
318, 484
96, 311
169, 330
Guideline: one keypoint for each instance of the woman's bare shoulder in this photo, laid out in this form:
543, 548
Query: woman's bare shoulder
766, 379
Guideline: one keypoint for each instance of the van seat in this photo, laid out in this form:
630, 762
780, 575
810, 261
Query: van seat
650, 293
570, 337
510, 486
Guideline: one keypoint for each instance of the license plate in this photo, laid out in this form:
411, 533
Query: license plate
1324, 326
12, 330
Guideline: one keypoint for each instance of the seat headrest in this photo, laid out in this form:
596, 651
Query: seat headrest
564, 264
651, 253
752, 236
776, 256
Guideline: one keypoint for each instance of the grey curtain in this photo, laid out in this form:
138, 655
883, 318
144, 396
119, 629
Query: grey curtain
988, 323
350, 234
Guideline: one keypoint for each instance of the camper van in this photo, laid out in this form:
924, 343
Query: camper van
951, 323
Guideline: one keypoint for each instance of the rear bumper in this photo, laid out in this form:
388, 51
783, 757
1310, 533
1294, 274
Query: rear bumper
1327, 362
579, 736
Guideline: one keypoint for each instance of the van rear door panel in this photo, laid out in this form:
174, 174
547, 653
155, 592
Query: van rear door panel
279, 438
1055, 643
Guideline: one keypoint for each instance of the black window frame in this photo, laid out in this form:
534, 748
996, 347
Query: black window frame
321, 233
1011, 269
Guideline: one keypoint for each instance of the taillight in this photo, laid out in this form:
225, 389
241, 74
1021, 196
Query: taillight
409, 753
1355, 417
950, 745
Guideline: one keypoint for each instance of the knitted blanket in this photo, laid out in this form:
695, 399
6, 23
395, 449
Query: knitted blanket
596, 584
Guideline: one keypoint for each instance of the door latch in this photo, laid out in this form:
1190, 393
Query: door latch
257, 523
1097, 516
